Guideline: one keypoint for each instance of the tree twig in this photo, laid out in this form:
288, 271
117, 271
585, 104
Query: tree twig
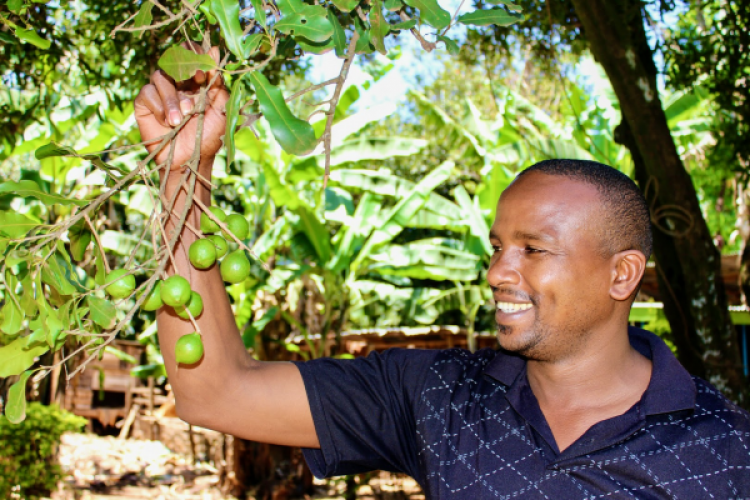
351, 52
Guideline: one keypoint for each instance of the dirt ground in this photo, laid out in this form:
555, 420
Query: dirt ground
108, 468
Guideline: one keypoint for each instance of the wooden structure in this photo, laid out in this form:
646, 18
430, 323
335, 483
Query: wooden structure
106, 391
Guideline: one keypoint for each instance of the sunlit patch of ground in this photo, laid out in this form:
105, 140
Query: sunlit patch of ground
107, 468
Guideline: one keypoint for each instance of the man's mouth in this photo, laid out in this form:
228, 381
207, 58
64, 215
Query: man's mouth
512, 307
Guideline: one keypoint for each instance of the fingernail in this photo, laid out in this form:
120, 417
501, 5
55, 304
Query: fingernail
174, 117
185, 106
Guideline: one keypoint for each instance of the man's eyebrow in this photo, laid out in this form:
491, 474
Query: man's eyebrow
521, 235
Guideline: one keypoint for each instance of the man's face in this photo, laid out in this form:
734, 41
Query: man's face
549, 280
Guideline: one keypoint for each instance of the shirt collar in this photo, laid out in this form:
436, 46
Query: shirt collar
671, 387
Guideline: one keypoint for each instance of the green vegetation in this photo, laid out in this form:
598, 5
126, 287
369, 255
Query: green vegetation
330, 216
28, 466
327, 216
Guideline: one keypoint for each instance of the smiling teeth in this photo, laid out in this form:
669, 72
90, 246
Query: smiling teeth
511, 307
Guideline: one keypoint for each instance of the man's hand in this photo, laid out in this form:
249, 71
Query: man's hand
162, 104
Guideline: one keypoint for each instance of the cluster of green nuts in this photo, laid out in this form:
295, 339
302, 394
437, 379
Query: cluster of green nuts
235, 266
175, 291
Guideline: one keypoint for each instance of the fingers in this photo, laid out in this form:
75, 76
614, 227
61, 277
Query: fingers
169, 102
218, 97
214, 53
186, 104
165, 86
149, 101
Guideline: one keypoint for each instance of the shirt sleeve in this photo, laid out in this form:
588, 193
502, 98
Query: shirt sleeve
364, 411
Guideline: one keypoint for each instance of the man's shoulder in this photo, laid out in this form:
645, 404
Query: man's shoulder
714, 407
441, 358
440, 371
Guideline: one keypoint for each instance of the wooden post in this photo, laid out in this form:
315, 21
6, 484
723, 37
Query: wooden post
151, 407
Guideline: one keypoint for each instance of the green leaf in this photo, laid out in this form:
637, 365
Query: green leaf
15, 408
339, 36
15, 225
100, 269
391, 185
56, 273
151, 370
15, 6
144, 17
365, 148
207, 12
398, 217
404, 25
510, 5
12, 317
54, 327
80, 237
498, 17
260, 12
363, 45
346, 5
295, 136
431, 13
15, 358
364, 219
310, 22
103, 312
122, 356
8, 38
315, 47
451, 46
283, 195
53, 149
31, 36
252, 43
26, 188
379, 27
181, 64
474, 218
289, 7
233, 114
227, 12
37, 337
248, 336
28, 302
268, 240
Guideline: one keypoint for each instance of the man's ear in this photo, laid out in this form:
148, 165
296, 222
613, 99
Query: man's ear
627, 270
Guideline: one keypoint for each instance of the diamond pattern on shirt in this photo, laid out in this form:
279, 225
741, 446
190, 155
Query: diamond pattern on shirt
473, 444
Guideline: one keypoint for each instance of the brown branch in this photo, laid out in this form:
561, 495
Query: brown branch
351, 52
98, 243
455, 16
428, 46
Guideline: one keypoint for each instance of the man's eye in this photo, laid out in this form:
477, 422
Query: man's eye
496, 248
534, 250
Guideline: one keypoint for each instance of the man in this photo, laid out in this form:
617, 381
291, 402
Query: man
575, 404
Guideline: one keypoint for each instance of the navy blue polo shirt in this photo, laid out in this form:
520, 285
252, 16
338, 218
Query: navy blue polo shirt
468, 426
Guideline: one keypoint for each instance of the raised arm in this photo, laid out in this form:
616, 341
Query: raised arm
226, 390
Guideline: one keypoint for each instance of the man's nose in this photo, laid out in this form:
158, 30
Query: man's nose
504, 270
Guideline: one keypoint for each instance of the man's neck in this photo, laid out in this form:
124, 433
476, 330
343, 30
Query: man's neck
600, 382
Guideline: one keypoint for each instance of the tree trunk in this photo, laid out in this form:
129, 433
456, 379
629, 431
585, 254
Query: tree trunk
689, 264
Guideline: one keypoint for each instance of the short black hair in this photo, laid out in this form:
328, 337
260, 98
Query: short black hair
626, 216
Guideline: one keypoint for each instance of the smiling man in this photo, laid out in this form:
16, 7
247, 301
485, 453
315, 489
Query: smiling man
574, 404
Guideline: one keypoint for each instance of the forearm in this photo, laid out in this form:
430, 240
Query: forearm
225, 353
